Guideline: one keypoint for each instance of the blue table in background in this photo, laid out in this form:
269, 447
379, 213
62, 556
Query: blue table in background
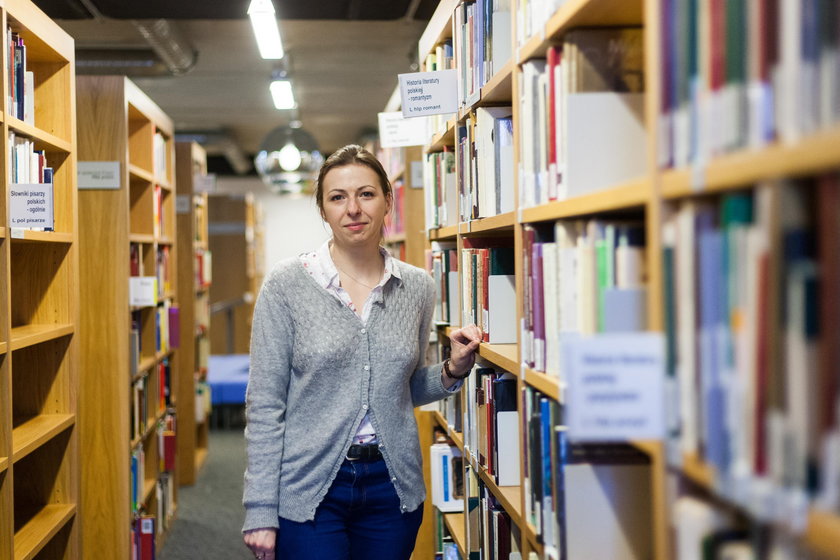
227, 375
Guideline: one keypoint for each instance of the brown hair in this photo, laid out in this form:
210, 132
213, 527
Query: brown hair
351, 154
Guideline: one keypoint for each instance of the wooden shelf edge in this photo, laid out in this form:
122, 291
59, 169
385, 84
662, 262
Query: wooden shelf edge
42, 136
498, 88
823, 533
510, 497
456, 437
4, 347
4, 464
447, 233
544, 383
491, 223
456, 524
503, 355
627, 195
146, 238
39, 530
148, 490
36, 431
200, 458
2, 232
30, 335
812, 155
137, 172
30, 236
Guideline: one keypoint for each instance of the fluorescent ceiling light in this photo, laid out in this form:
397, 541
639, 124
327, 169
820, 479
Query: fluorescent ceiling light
281, 93
264, 23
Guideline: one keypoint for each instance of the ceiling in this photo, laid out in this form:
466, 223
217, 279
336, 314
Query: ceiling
342, 62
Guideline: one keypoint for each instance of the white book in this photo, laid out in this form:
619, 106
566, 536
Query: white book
501, 295
685, 265
606, 140
693, 521
507, 439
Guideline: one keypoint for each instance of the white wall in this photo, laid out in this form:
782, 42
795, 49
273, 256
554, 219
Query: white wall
292, 223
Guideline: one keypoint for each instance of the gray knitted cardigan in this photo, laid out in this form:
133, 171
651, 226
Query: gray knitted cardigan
316, 369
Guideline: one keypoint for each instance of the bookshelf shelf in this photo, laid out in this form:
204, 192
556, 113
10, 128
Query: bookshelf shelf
4, 464
137, 173
30, 335
43, 140
443, 234
506, 356
148, 490
582, 13
811, 155
166, 240
34, 432
453, 435
142, 238
41, 527
823, 534
443, 139
438, 29
2, 232
3, 347
43, 237
629, 195
499, 88
530, 534
546, 384
499, 223
509, 496
457, 529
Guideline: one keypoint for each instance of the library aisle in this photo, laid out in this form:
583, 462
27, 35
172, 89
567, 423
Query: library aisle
210, 513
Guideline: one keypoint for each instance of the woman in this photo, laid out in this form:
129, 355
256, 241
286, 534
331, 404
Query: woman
337, 345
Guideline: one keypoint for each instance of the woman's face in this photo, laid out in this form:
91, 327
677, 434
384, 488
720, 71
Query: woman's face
354, 205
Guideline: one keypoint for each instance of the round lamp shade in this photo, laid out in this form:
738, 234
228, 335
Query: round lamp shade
288, 160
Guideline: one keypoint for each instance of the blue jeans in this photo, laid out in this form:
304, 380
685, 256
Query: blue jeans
359, 519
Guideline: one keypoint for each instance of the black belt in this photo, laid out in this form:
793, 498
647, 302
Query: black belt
367, 452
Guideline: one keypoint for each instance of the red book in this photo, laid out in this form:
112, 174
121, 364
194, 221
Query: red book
146, 537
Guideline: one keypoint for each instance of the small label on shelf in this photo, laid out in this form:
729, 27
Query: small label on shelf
31, 206
396, 131
429, 93
616, 387
98, 174
16, 233
182, 204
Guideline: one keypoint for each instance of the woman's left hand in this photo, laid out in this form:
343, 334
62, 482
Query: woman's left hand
465, 342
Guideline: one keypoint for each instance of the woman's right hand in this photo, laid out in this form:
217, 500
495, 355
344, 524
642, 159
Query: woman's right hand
261, 542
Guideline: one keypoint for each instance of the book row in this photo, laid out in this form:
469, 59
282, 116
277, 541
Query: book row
742, 74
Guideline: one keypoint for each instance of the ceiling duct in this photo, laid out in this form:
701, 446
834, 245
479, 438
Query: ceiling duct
219, 142
128, 62
169, 43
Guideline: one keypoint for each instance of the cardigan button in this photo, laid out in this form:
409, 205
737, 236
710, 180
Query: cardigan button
364, 331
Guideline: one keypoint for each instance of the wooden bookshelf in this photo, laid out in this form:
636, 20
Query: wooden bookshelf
123, 125
233, 224
190, 164
455, 524
40, 460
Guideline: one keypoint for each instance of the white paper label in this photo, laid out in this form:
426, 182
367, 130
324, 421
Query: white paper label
182, 204
616, 387
31, 206
396, 131
204, 183
429, 93
17, 233
98, 174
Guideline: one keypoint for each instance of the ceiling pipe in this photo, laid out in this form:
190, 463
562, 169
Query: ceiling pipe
170, 44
